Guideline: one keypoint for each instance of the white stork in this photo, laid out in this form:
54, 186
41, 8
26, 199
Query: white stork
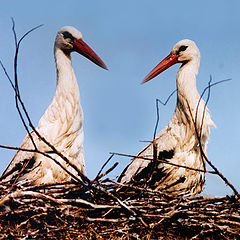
62, 123
178, 142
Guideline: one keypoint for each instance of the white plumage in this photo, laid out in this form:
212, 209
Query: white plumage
62, 123
177, 143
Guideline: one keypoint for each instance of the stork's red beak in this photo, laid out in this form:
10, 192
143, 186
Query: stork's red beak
167, 62
81, 47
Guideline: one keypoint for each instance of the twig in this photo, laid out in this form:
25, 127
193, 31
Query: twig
105, 220
44, 154
100, 171
158, 115
122, 204
16, 88
108, 171
164, 161
203, 155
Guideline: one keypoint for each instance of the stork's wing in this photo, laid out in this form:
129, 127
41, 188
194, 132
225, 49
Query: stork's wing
140, 166
21, 158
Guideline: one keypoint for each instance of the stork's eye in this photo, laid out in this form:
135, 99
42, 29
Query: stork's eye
182, 48
68, 35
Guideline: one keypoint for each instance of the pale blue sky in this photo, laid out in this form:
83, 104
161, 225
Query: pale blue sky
131, 37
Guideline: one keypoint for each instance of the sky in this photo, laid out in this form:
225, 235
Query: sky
131, 37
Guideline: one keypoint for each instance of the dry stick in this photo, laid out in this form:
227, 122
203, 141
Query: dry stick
163, 161
44, 154
158, 114
200, 145
156, 126
16, 94
149, 191
105, 220
205, 89
155, 147
12, 185
16, 88
20, 193
204, 110
202, 152
202, 120
123, 205
108, 171
18, 98
100, 171
155, 160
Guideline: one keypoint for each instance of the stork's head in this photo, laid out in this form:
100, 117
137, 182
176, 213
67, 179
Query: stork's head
183, 52
69, 39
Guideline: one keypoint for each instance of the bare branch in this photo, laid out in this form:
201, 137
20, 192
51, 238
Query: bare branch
16, 88
203, 155
158, 113
44, 154
163, 161
100, 171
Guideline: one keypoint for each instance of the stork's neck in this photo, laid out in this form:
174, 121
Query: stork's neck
63, 117
66, 80
186, 83
190, 107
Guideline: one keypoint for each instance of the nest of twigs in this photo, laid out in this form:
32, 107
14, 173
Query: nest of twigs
97, 210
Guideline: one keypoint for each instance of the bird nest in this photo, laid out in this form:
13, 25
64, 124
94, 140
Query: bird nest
98, 210
103, 208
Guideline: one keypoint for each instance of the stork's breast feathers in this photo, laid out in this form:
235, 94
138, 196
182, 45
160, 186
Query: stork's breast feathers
62, 122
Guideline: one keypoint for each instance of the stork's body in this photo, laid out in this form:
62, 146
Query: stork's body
178, 142
62, 123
